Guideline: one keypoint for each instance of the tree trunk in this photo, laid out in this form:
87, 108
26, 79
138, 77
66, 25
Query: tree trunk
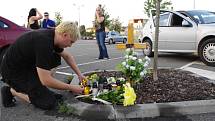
155, 75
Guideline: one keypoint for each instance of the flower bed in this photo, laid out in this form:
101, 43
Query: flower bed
118, 90
172, 86
133, 84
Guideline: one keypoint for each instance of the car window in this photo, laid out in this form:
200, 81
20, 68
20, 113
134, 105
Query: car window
116, 33
113, 33
3, 25
164, 19
202, 17
177, 21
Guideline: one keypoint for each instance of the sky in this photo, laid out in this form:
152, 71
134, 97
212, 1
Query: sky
17, 10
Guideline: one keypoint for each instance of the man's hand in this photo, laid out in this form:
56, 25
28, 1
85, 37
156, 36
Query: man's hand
81, 78
76, 89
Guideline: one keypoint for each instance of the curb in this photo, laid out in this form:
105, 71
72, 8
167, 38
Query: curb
141, 110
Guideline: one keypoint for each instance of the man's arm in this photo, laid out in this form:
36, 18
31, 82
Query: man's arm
51, 24
100, 19
47, 80
71, 62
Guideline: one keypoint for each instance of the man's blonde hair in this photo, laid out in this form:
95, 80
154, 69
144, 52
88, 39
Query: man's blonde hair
71, 28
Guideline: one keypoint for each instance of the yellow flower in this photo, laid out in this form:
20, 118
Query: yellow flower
129, 95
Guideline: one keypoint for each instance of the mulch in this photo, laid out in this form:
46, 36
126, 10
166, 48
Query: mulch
173, 86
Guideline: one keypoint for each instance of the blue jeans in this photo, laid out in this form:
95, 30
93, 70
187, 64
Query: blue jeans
100, 37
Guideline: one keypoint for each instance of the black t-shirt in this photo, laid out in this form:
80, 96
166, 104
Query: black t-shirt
31, 50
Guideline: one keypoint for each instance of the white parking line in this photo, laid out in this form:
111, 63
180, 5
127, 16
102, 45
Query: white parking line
91, 62
80, 55
201, 72
64, 73
187, 65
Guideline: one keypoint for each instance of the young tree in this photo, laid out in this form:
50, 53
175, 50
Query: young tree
82, 30
151, 5
107, 17
155, 75
58, 18
115, 25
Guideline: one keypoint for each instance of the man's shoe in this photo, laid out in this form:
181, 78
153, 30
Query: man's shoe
99, 58
7, 97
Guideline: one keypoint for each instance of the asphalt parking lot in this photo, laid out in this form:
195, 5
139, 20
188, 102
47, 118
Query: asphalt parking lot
85, 53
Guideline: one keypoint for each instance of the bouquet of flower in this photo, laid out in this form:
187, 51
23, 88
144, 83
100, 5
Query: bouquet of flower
133, 68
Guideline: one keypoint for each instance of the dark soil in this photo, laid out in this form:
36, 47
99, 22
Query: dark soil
171, 86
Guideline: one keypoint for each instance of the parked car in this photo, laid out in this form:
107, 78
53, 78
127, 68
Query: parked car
9, 31
112, 37
185, 32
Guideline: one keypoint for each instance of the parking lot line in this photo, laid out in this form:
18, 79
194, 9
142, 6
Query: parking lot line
201, 72
64, 73
81, 64
187, 65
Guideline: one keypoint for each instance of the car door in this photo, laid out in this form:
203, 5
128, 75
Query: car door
117, 37
180, 35
113, 36
163, 26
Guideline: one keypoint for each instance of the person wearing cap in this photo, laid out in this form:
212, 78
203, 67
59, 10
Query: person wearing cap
27, 63
47, 23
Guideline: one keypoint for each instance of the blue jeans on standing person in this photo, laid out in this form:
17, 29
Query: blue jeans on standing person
100, 37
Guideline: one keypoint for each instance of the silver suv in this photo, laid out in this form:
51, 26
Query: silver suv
183, 32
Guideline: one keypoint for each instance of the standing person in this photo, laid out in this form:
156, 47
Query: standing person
100, 33
27, 63
47, 23
33, 18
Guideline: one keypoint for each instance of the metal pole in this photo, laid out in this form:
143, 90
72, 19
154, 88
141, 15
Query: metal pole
194, 4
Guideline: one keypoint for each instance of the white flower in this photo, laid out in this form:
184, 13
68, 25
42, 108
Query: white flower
132, 68
127, 66
130, 57
145, 71
135, 53
124, 63
126, 57
127, 50
146, 64
140, 60
126, 60
142, 74
134, 58
111, 79
147, 58
121, 79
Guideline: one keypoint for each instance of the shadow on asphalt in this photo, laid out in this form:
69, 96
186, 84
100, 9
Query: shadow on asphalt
179, 55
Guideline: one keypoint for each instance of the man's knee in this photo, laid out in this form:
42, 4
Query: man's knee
51, 104
43, 98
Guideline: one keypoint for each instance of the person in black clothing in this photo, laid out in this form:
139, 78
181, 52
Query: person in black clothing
100, 33
27, 63
33, 19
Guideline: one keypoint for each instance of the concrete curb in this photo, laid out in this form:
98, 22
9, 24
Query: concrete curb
142, 110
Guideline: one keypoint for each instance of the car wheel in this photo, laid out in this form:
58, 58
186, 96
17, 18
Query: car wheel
111, 41
148, 50
124, 40
108, 41
207, 52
